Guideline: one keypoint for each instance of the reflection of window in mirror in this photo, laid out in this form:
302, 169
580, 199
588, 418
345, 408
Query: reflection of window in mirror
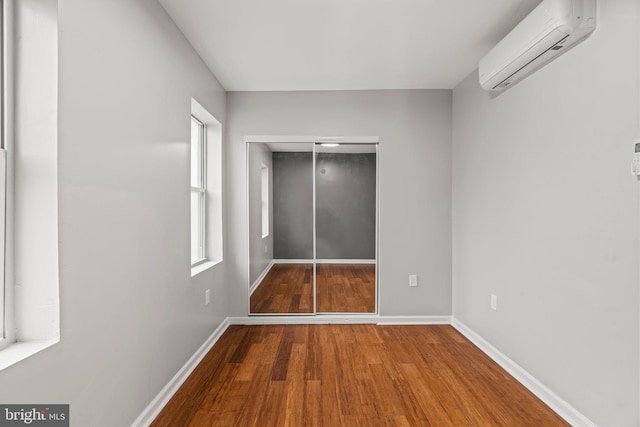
265, 200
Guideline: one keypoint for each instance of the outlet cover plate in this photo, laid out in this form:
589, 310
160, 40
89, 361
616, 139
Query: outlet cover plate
413, 280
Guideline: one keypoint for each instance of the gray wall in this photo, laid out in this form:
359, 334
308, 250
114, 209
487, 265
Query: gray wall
293, 205
131, 315
545, 216
261, 248
414, 181
345, 206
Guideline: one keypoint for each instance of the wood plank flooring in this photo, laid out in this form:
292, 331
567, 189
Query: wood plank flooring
351, 375
340, 288
346, 288
287, 288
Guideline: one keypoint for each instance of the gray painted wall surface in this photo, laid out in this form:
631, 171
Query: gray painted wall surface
293, 205
131, 315
545, 216
414, 127
345, 206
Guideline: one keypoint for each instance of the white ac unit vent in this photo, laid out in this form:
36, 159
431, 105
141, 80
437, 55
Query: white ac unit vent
546, 33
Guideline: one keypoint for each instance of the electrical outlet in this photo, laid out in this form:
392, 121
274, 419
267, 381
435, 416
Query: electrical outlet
207, 297
413, 280
265, 249
494, 302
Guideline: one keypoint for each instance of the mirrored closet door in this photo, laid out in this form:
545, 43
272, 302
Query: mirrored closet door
312, 227
280, 178
345, 227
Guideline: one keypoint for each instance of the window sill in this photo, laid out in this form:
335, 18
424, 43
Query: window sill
21, 350
197, 269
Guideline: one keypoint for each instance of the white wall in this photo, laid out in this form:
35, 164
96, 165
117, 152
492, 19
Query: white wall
130, 313
414, 171
545, 216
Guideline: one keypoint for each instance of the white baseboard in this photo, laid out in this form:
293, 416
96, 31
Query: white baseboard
255, 284
414, 320
303, 319
555, 402
293, 261
153, 409
324, 261
345, 261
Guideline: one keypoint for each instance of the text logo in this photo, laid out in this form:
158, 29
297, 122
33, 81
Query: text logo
34, 415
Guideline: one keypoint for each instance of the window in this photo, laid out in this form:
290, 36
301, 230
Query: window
206, 189
265, 200
29, 180
198, 191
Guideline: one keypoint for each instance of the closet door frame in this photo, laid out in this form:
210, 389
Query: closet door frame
370, 140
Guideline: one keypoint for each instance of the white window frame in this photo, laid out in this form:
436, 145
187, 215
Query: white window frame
212, 167
201, 191
31, 272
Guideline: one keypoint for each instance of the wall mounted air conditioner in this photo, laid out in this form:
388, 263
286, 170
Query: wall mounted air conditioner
546, 33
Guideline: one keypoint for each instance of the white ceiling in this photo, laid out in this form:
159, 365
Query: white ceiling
263, 45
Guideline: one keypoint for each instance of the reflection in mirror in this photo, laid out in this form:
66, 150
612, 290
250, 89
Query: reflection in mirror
280, 178
345, 194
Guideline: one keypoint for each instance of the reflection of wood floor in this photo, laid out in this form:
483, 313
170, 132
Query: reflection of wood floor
287, 288
341, 288
351, 375
346, 288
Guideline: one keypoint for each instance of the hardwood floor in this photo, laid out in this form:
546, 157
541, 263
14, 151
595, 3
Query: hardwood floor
351, 375
346, 288
340, 288
287, 288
